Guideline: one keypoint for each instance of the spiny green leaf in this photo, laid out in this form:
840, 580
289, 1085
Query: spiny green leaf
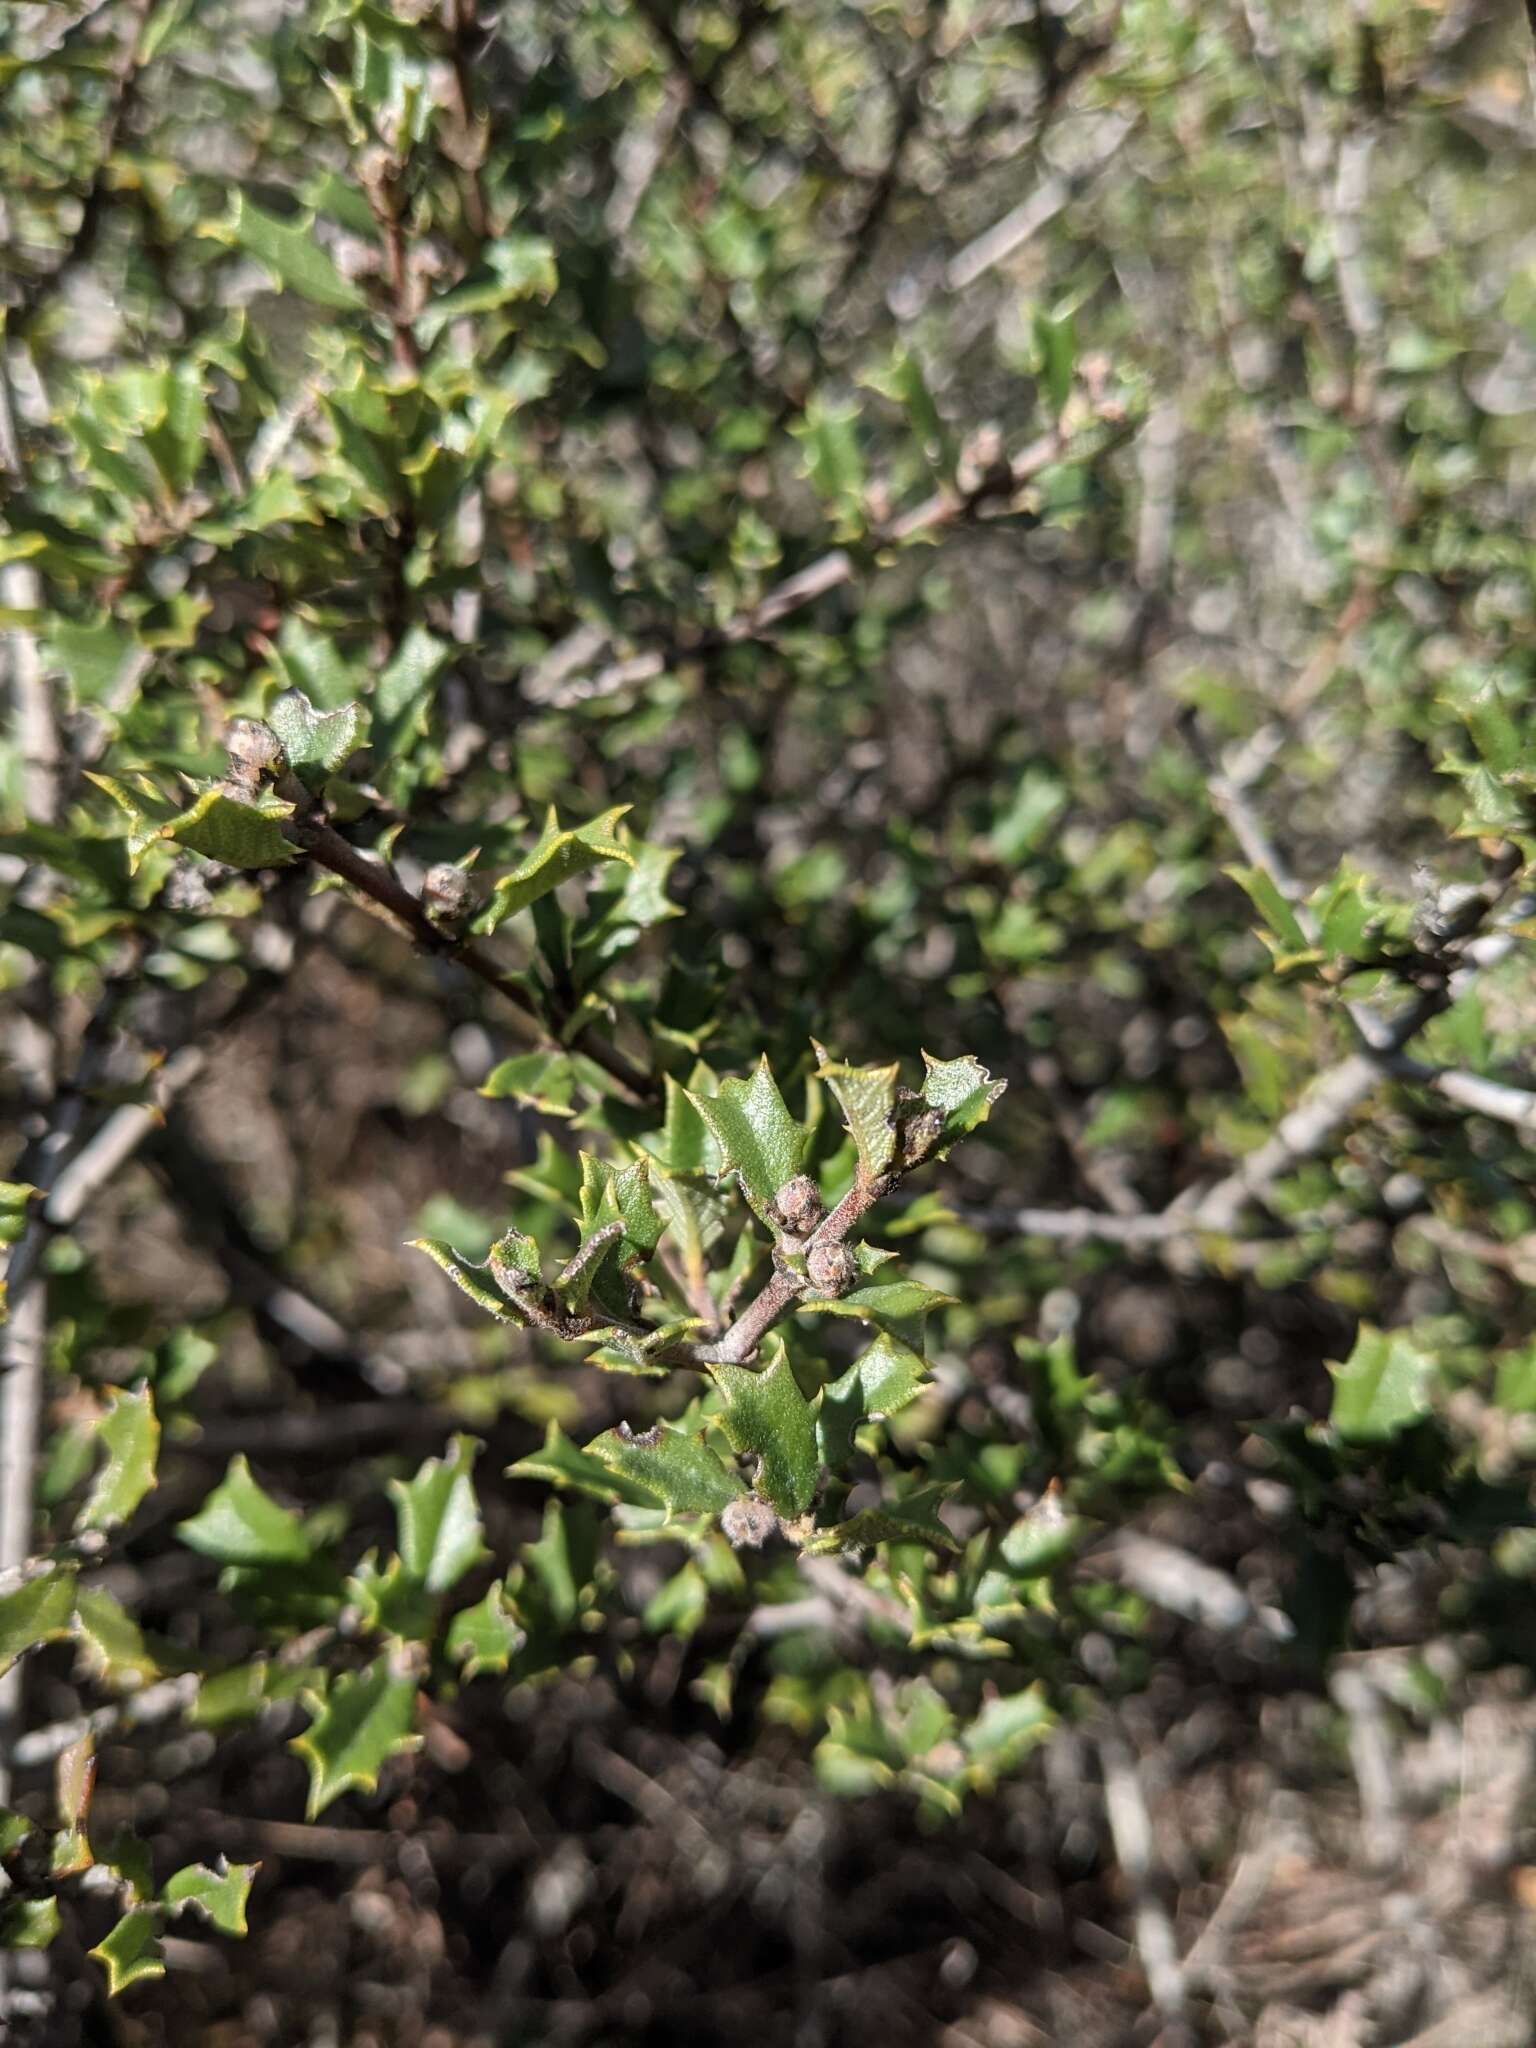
519, 266
219, 1895
562, 1463
130, 1435
963, 1090
131, 1953
235, 833
391, 1601
240, 1524
545, 1081
890, 1304
39, 1611
867, 1098
289, 250
29, 1923
465, 1274
880, 1382
113, 1642
1382, 1388
441, 1535
679, 1471
365, 1718
559, 855
759, 1140
316, 743
688, 1145
914, 1519
487, 1636
1007, 1729
767, 1417
678, 1607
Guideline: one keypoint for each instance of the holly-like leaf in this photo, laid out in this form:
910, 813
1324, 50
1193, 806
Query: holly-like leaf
963, 1091
316, 743
1382, 1388
487, 1636
545, 1081
131, 1953
759, 1140
292, 254
235, 833
130, 1435
880, 1382
767, 1417
465, 1274
38, 1611
687, 1145
441, 1534
562, 1463
678, 1471
29, 1923
914, 1519
1006, 1730
558, 856
617, 920
364, 1719
1285, 936
391, 1601
112, 1641
218, 1895
867, 1098
695, 1218
895, 1305
240, 1524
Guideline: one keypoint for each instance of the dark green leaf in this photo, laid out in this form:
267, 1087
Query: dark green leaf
130, 1436
365, 1718
240, 1524
766, 1417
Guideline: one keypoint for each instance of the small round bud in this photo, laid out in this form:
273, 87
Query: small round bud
447, 893
797, 1205
831, 1268
747, 1524
254, 751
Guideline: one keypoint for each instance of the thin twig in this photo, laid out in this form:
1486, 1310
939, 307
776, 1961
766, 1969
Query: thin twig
382, 887
568, 673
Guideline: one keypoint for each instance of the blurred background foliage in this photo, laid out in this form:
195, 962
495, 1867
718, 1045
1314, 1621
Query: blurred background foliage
1029, 508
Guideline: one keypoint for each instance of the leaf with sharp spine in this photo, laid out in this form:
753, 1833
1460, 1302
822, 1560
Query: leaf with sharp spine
240, 1524
441, 1536
759, 1140
131, 1953
767, 1417
130, 1435
678, 1470
963, 1091
363, 1720
317, 743
38, 1611
867, 1098
218, 1895
559, 855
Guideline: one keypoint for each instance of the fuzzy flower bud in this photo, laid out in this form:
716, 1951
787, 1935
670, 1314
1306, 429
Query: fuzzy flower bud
747, 1524
797, 1205
831, 1268
447, 893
